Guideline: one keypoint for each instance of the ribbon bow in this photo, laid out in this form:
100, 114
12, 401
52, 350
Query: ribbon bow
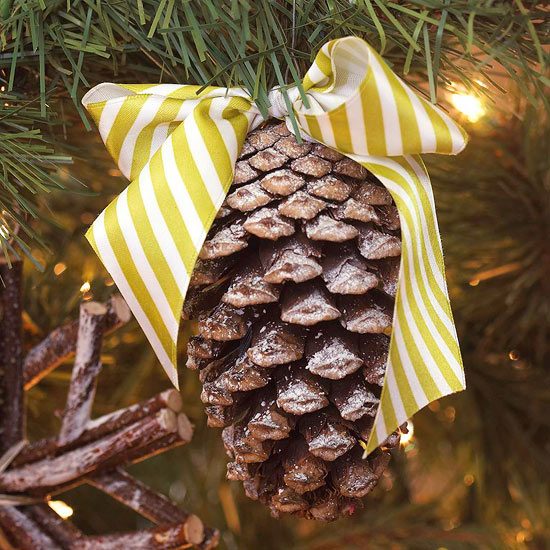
179, 147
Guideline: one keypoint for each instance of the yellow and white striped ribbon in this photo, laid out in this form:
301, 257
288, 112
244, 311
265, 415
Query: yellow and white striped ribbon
179, 147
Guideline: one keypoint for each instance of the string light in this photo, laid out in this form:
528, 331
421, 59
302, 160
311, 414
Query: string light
450, 414
523, 536
59, 268
85, 287
406, 438
62, 509
469, 479
469, 105
114, 172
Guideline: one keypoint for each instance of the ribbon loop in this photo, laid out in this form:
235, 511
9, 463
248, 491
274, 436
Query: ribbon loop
278, 108
352, 87
179, 147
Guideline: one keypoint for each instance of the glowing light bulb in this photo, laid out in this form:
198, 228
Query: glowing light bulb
407, 438
62, 509
469, 105
85, 287
59, 268
469, 479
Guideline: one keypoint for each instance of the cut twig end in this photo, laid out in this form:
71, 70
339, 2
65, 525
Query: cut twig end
168, 420
93, 308
174, 400
194, 529
120, 308
185, 428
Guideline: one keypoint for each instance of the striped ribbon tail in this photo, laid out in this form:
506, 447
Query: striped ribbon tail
179, 147
179, 150
361, 108
424, 361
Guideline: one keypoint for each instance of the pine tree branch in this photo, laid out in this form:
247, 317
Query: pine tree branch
497, 242
70, 47
223, 43
29, 164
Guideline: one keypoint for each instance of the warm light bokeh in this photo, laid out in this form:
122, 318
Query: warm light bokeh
469, 105
62, 509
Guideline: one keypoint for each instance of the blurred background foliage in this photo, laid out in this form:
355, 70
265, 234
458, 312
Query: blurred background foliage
475, 473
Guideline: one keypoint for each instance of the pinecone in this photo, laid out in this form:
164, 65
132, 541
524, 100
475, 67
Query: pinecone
294, 292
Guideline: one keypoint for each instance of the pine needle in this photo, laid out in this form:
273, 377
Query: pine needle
54, 50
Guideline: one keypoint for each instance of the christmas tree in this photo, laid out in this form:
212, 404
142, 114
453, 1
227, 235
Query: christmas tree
471, 470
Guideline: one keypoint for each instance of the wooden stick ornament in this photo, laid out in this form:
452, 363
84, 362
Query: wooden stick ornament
91, 451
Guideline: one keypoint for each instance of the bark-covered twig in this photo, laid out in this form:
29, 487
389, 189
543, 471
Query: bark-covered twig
12, 416
163, 537
154, 448
150, 504
23, 532
102, 426
10, 454
85, 451
60, 344
211, 539
107, 452
61, 530
85, 371
183, 435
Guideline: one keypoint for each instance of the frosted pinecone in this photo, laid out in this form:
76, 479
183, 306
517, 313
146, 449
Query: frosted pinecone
294, 292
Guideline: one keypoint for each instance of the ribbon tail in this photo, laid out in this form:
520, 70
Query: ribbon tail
150, 236
114, 236
424, 361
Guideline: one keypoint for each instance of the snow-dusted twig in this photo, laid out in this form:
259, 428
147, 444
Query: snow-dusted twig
168, 536
61, 530
60, 344
102, 426
24, 532
150, 504
86, 451
114, 449
85, 371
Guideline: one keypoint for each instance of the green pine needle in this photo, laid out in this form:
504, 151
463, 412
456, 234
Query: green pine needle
58, 49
